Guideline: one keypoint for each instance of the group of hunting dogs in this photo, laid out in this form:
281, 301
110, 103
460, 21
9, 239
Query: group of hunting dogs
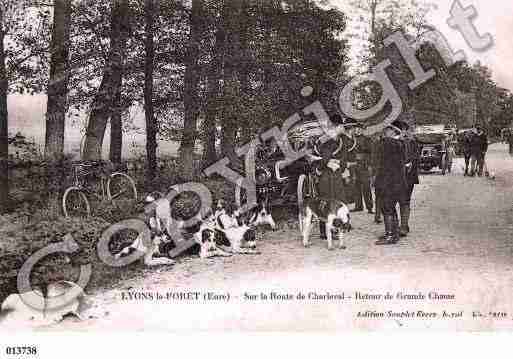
226, 230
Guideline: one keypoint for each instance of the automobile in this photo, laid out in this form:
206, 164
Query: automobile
282, 183
433, 151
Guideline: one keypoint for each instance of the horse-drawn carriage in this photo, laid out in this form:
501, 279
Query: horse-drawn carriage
283, 183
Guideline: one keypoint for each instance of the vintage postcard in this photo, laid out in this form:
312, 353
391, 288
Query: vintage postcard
255, 165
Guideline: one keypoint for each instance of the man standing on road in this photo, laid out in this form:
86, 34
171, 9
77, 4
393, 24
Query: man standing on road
451, 152
475, 151
509, 139
478, 148
465, 146
362, 153
391, 179
412, 150
377, 150
332, 169
484, 148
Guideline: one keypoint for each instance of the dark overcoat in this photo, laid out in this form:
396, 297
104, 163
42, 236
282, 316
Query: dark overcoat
484, 142
465, 144
331, 184
362, 157
412, 149
390, 166
475, 145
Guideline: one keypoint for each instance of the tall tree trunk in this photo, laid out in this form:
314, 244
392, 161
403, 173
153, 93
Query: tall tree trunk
111, 82
214, 76
231, 90
375, 42
58, 81
246, 126
229, 122
57, 100
151, 125
373, 7
4, 144
268, 30
191, 97
116, 131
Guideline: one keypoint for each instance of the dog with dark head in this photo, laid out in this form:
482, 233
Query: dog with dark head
334, 213
158, 220
236, 230
205, 235
261, 215
154, 254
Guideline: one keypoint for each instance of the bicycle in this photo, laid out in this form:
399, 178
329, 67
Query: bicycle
116, 185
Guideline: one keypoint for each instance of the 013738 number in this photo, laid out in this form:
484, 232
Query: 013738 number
21, 350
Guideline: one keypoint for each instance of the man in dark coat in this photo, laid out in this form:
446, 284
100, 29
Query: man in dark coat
362, 157
334, 180
509, 139
484, 148
391, 180
465, 146
478, 148
412, 151
377, 150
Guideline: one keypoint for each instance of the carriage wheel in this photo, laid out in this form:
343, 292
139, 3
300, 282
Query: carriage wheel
302, 191
75, 203
121, 186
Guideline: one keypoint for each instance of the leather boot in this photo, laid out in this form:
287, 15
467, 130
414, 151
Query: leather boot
388, 238
395, 227
405, 218
377, 213
377, 218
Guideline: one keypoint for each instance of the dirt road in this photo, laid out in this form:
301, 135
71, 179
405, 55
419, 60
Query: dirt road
454, 271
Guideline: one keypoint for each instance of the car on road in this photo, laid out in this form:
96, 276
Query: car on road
433, 151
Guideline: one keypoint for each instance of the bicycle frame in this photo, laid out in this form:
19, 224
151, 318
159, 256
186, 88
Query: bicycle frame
81, 184
78, 182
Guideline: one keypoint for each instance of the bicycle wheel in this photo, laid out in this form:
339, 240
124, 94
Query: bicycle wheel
75, 203
121, 187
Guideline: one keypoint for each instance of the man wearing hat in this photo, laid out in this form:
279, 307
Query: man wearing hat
484, 148
334, 178
509, 140
391, 179
478, 148
465, 141
412, 151
377, 150
361, 154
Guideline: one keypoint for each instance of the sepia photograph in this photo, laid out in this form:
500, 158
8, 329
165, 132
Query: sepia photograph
288, 166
